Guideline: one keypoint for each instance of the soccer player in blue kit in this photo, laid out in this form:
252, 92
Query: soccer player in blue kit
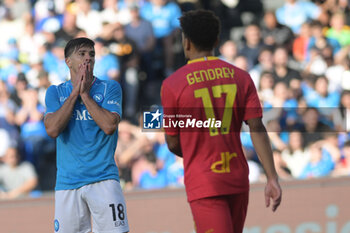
83, 115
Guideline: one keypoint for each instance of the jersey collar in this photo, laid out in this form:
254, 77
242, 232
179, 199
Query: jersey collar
209, 58
92, 83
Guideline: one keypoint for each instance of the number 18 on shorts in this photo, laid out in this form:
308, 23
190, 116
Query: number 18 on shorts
102, 202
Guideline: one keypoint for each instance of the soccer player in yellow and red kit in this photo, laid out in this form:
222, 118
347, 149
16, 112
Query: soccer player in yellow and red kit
216, 171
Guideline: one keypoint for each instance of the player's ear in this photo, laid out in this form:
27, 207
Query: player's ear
187, 44
68, 61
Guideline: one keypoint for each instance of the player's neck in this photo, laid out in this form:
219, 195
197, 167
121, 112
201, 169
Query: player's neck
201, 54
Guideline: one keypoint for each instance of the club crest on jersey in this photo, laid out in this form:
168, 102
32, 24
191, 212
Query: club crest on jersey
98, 97
57, 225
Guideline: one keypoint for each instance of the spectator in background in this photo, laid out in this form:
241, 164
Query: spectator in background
130, 148
141, 32
33, 74
112, 14
150, 177
295, 155
229, 13
44, 84
316, 65
5, 142
282, 107
331, 145
10, 27
301, 43
320, 163
277, 137
16, 178
228, 51
319, 96
42, 9
18, 9
265, 89
11, 63
175, 173
252, 44
8, 107
274, 33
338, 74
281, 71
241, 61
255, 170
342, 168
52, 22
30, 53
20, 86
265, 64
69, 29
54, 62
165, 158
313, 127
164, 15
341, 117
106, 64
30, 119
284, 103
126, 51
281, 166
319, 41
339, 30
294, 13
88, 19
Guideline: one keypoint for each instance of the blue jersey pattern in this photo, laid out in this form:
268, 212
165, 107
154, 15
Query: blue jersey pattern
85, 154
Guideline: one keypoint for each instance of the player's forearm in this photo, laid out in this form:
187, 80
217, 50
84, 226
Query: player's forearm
56, 122
105, 119
262, 147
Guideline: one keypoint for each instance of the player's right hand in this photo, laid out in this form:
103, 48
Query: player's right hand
273, 191
78, 80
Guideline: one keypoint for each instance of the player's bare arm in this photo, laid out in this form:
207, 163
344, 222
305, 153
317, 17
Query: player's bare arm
105, 119
262, 146
174, 144
57, 121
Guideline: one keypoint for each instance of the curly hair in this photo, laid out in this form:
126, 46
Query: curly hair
201, 27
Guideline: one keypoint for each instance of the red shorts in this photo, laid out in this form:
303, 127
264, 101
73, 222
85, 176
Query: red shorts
220, 214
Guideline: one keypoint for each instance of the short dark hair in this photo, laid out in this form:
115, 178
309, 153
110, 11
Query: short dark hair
201, 27
76, 44
316, 23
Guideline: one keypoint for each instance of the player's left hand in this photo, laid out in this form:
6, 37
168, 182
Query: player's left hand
273, 191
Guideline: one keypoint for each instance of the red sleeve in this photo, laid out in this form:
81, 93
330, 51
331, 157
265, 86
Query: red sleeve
253, 105
169, 104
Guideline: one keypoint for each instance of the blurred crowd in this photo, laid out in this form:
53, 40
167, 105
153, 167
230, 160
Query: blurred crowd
296, 51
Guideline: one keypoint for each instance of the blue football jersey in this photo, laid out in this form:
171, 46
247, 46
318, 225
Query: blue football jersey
85, 154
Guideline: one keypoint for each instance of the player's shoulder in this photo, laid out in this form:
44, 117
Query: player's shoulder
178, 75
60, 86
108, 83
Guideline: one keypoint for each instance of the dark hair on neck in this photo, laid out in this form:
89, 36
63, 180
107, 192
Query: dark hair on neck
76, 44
202, 28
